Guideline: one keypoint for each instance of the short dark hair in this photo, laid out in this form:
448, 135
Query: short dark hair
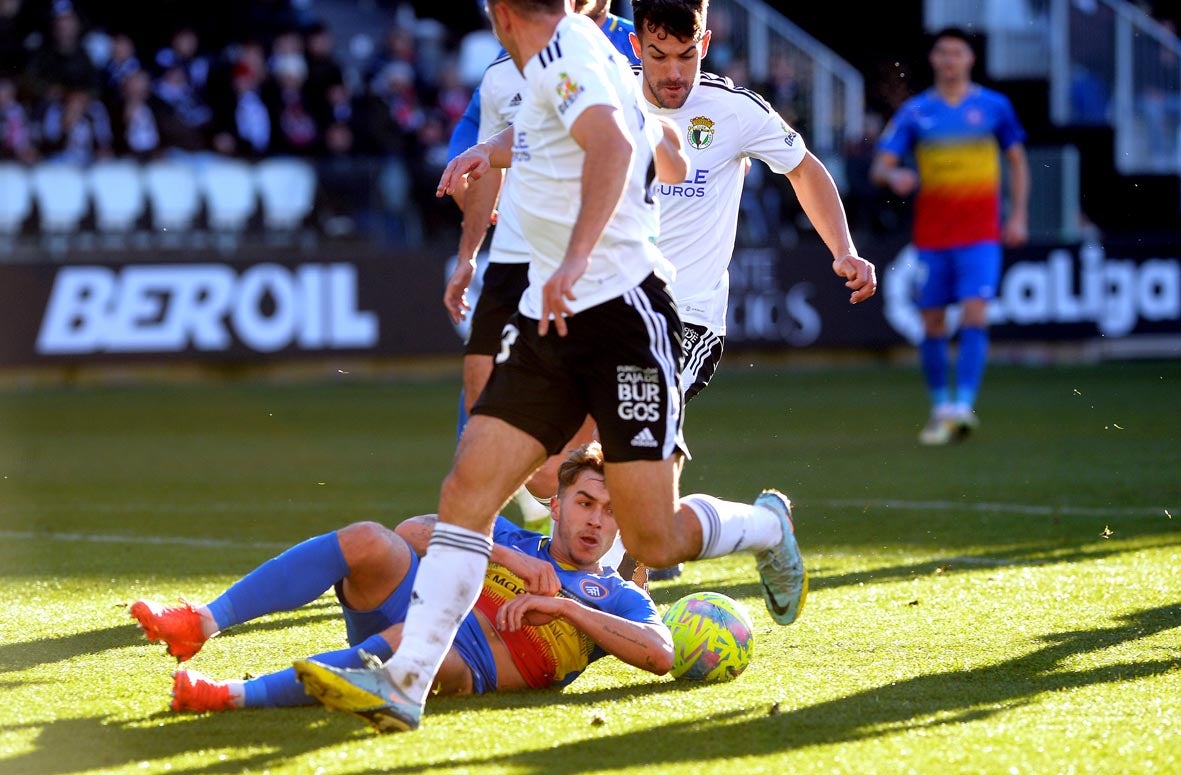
955, 33
588, 457
683, 19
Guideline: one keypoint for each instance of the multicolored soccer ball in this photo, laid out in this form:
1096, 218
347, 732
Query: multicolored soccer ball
712, 637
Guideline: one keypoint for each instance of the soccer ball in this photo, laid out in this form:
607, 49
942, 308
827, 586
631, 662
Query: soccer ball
712, 637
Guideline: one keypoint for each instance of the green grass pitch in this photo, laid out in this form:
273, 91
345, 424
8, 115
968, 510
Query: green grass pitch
1009, 605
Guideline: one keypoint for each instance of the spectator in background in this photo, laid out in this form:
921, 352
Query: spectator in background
76, 127
294, 129
394, 111
136, 131
17, 140
62, 59
324, 72
122, 63
184, 116
183, 53
336, 121
958, 132
242, 124
452, 98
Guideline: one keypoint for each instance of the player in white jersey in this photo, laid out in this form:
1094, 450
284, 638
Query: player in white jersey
597, 333
724, 126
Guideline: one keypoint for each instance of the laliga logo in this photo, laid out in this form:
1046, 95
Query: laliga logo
1114, 294
170, 307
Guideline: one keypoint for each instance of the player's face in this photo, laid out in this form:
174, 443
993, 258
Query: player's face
584, 526
952, 60
671, 65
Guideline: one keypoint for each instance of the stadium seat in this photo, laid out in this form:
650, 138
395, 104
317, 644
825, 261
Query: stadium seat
118, 192
60, 192
230, 196
16, 198
287, 188
172, 192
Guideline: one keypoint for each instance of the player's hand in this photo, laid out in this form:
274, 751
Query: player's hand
903, 181
861, 275
539, 576
528, 611
1015, 232
559, 289
469, 165
455, 295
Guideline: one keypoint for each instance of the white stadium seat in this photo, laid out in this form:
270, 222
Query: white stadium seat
287, 188
230, 197
118, 193
60, 191
16, 198
173, 194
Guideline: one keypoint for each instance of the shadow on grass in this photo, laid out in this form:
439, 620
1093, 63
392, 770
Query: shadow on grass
953, 697
22, 656
1031, 556
86, 744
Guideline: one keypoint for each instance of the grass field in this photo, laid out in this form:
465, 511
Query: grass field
1010, 605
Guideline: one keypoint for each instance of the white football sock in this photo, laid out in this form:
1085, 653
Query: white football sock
728, 527
450, 577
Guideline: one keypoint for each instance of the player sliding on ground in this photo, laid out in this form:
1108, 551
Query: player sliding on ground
545, 611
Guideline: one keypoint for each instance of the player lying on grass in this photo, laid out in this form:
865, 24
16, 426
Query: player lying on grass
546, 610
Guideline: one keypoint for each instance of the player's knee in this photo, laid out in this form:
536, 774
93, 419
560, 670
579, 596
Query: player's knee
364, 543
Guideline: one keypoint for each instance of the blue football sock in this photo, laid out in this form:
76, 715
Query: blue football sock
933, 356
461, 421
970, 365
297, 576
282, 689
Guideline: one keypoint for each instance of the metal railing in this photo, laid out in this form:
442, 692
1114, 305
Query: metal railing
815, 90
1110, 64
1114, 64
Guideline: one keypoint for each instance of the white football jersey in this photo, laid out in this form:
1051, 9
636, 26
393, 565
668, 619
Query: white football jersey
577, 70
500, 98
722, 125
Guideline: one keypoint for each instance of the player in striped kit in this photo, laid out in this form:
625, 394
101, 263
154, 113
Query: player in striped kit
724, 126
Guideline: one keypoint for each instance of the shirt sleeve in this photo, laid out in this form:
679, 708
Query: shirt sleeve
574, 82
1009, 131
506, 533
630, 603
467, 129
899, 135
770, 139
491, 118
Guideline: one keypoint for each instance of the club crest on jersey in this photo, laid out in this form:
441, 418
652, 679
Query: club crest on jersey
568, 90
700, 133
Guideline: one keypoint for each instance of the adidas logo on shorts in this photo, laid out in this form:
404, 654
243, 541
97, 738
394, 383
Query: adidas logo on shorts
645, 439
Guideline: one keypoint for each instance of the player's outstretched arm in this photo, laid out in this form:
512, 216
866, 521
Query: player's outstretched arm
822, 204
601, 133
887, 170
645, 645
1016, 228
496, 151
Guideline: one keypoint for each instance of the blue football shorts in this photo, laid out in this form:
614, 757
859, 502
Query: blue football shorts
954, 274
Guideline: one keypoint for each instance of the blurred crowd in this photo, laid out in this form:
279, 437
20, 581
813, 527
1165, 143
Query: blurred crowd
75, 88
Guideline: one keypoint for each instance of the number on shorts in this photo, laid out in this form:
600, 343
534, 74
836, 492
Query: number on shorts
507, 338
